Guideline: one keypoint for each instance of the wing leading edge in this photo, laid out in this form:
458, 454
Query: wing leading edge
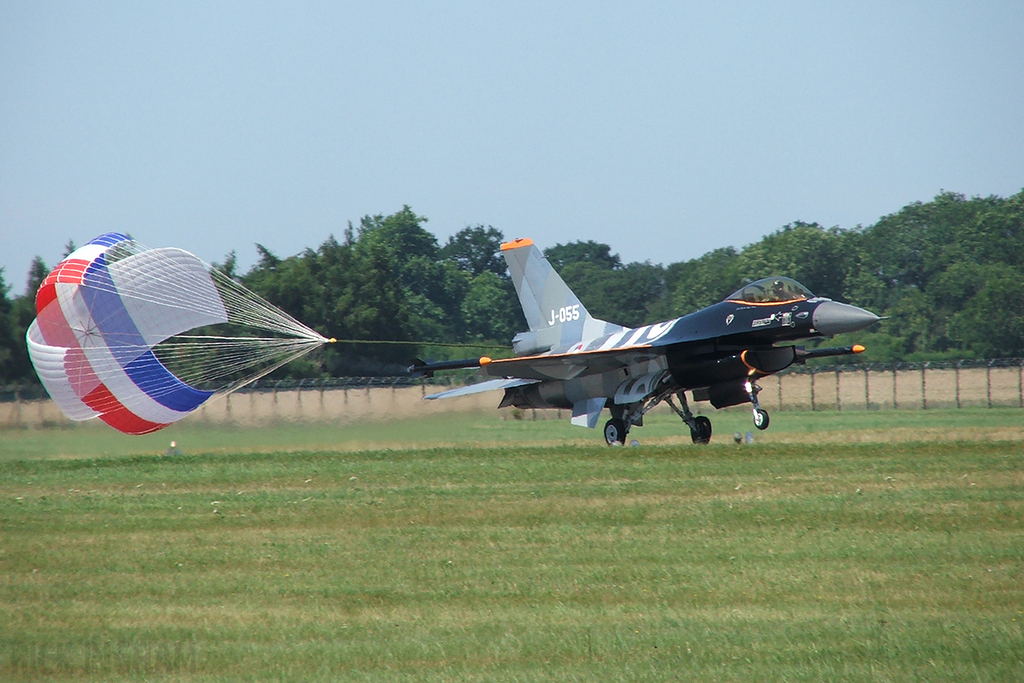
568, 365
480, 387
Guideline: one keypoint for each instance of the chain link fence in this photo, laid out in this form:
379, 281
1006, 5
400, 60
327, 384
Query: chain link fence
893, 386
866, 386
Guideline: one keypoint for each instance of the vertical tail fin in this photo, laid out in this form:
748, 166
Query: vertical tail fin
556, 316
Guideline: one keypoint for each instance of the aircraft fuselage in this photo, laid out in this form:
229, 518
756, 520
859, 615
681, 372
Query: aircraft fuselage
714, 349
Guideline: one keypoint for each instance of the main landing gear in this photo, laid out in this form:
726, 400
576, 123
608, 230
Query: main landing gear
625, 417
700, 426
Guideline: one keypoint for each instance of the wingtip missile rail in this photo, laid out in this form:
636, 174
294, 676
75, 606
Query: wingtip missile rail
803, 355
422, 368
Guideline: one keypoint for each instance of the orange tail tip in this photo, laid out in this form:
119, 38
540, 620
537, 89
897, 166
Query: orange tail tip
857, 348
516, 243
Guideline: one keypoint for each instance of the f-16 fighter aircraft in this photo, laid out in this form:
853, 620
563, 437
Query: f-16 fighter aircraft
571, 360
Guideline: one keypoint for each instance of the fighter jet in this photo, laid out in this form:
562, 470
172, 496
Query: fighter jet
570, 360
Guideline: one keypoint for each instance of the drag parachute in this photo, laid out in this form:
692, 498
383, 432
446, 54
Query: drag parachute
141, 337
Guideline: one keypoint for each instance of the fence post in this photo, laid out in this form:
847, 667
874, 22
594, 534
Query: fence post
274, 415
924, 392
839, 404
895, 403
867, 387
988, 382
958, 364
812, 390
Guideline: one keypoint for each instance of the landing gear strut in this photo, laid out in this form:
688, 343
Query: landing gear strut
700, 426
760, 414
624, 417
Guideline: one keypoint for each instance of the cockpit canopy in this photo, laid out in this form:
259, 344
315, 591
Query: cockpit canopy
771, 290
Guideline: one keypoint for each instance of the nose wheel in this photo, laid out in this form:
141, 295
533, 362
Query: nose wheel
760, 414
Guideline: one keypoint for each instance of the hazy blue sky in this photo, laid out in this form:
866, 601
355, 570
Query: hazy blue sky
665, 129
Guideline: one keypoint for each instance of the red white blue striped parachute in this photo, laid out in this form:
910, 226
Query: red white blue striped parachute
109, 336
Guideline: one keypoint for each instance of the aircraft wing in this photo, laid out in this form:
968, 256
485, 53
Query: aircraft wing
568, 365
489, 385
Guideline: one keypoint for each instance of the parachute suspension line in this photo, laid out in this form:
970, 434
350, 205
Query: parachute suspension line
458, 345
171, 278
206, 359
247, 308
156, 276
251, 364
142, 337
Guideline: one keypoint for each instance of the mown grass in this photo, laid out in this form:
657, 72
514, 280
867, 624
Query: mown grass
777, 562
495, 428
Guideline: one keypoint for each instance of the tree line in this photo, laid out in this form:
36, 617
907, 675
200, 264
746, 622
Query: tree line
947, 274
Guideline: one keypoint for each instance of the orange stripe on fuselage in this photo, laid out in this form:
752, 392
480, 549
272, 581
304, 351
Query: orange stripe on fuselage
764, 303
743, 357
574, 355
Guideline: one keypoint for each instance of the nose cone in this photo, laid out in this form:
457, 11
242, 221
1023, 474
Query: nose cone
831, 318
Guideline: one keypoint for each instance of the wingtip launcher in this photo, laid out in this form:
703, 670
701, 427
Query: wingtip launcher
805, 354
422, 368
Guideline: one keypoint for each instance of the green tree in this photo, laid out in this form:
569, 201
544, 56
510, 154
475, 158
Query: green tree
991, 323
695, 284
476, 250
230, 265
37, 272
8, 343
629, 295
401, 234
485, 310
591, 252
807, 252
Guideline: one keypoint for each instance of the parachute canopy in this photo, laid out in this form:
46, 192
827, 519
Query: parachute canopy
109, 339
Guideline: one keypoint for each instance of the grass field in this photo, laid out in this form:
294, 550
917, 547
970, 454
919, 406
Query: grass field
845, 547
494, 428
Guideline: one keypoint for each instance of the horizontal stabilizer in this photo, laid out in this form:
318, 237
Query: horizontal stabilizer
489, 385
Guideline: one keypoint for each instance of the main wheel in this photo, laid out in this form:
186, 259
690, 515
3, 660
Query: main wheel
761, 419
701, 430
615, 432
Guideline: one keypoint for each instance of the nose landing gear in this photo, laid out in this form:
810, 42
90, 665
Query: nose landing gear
760, 414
